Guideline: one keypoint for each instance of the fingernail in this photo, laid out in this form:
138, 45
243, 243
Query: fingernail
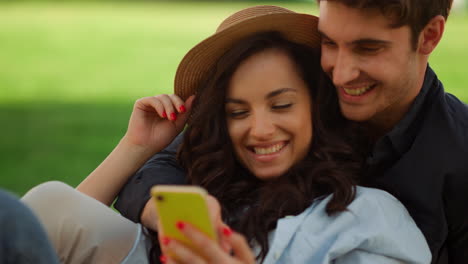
166, 240
182, 109
180, 225
227, 231
164, 114
163, 259
173, 116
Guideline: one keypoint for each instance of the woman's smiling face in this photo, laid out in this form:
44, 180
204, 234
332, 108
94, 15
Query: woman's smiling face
268, 113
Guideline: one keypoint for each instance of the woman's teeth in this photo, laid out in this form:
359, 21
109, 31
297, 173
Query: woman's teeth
358, 91
269, 150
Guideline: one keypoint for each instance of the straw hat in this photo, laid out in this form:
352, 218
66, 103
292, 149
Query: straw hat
194, 67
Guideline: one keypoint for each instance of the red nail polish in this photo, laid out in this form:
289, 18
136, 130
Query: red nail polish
227, 231
164, 115
173, 116
180, 225
163, 259
166, 240
182, 109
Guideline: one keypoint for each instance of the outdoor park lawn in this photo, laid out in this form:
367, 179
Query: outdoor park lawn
70, 72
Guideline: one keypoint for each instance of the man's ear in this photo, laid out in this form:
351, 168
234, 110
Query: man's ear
431, 35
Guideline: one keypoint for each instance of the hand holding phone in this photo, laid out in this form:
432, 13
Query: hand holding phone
182, 203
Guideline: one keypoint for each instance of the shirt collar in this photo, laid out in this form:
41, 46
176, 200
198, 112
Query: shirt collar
403, 134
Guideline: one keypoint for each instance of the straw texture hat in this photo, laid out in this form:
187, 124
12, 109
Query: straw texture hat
194, 67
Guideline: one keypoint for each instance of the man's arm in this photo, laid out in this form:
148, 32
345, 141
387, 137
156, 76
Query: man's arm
162, 168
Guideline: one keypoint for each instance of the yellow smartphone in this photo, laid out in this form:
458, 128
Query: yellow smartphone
182, 203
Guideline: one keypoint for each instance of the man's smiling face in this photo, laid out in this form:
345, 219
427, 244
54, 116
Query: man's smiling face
376, 71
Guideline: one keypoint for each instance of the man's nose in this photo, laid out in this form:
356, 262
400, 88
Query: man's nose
345, 69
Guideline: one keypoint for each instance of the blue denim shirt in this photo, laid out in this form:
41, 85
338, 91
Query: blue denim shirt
376, 228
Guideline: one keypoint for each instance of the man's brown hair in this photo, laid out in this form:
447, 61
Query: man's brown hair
414, 13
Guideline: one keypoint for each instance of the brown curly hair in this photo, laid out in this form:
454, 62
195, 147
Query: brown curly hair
249, 205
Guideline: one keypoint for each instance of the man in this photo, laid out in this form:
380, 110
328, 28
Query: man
376, 53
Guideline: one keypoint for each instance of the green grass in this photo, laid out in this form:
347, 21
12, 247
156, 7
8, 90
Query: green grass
57, 141
70, 72
81, 52
450, 57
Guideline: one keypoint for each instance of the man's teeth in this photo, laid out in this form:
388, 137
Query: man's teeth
358, 91
269, 150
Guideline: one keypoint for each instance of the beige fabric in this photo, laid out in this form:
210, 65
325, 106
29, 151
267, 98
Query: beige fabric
81, 229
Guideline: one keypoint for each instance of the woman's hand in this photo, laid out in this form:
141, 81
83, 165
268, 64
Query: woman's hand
154, 123
157, 120
207, 250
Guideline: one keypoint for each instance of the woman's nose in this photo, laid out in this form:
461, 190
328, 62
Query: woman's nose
262, 126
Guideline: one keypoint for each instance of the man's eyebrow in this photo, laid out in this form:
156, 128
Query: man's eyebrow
363, 41
368, 41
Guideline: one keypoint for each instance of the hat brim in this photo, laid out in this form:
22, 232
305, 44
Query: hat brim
196, 64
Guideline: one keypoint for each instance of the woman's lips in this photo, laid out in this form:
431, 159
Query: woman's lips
267, 153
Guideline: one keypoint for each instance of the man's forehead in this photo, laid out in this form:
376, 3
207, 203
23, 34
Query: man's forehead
337, 8
336, 18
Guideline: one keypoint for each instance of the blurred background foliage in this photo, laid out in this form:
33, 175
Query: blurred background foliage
71, 70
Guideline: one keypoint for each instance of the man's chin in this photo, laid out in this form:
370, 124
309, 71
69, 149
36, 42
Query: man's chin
355, 114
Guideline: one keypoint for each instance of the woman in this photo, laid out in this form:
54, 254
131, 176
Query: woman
265, 141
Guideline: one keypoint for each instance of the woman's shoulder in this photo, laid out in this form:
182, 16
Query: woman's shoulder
367, 201
375, 198
375, 223
375, 210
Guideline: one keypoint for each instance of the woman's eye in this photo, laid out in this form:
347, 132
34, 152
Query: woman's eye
237, 113
282, 106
